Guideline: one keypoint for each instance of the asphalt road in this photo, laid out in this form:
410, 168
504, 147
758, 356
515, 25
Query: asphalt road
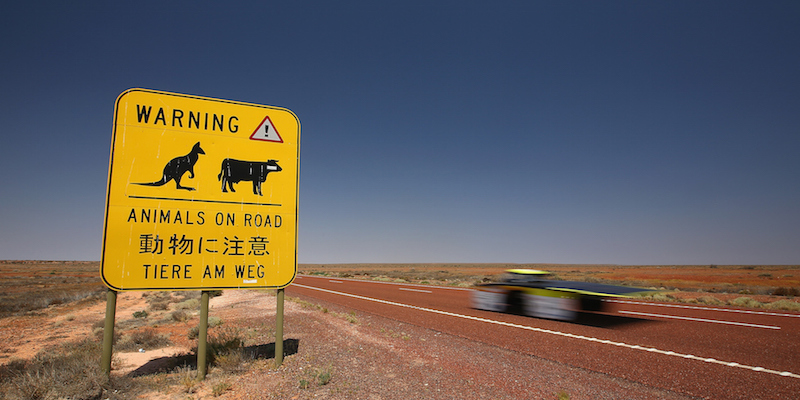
707, 352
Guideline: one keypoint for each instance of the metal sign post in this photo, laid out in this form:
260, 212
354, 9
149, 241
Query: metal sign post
202, 338
108, 331
279, 329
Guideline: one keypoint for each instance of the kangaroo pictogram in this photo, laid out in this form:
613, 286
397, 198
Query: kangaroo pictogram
178, 166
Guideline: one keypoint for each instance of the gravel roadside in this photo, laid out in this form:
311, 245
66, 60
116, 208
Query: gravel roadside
353, 355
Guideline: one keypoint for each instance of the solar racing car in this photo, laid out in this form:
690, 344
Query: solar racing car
537, 294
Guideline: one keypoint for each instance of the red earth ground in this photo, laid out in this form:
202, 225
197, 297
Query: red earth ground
26, 332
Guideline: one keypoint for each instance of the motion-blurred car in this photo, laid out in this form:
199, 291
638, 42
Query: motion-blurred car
537, 294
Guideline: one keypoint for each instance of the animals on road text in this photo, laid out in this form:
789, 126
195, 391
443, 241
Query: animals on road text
234, 171
178, 166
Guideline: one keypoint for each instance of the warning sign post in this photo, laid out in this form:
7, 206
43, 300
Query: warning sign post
202, 194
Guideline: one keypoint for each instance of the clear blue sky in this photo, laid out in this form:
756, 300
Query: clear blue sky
621, 132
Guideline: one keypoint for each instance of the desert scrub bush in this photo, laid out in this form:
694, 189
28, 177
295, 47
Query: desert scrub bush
130, 324
188, 304
179, 316
351, 317
159, 301
146, 338
786, 291
234, 361
324, 377
213, 322
184, 295
305, 304
71, 371
97, 331
746, 302
786, 305
140, 314
710, 300
226, 339
661, 297
319, 376
220, 388
194, 333
223, 342
187, 377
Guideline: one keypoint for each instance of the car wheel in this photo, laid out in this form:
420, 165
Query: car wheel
515, 304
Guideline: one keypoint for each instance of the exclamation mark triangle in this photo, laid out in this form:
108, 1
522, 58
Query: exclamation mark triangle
266, 131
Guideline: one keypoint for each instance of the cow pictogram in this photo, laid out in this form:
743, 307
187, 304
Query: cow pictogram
234, 171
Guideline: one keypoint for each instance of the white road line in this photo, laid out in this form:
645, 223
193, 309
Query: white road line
563, 334
389, 283
335, 281
732, 310
415, 290
714, 321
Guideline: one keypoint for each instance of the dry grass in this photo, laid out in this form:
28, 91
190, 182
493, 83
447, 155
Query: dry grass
316, 376
741, 301
27, 286
220, 388
146, 338
72, 370
68, 371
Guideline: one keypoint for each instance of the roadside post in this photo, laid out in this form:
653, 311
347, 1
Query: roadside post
279, 329
108, 331
202, 337
202, 195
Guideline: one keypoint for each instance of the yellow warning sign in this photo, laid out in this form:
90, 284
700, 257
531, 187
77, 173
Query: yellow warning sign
202, 194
